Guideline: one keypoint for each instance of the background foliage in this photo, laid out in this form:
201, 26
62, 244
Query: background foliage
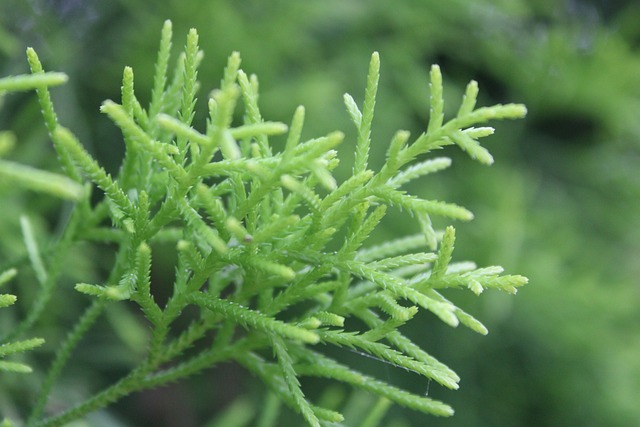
559, 206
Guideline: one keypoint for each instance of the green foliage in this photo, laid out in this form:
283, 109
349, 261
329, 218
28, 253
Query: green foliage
547, 208
32, 179
270, 248
15, 347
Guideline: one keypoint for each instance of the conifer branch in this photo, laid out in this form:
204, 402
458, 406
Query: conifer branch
266, 237
253, 319
8, 348
364, 125
49, 115
321, 366
161, 67
62, 356
291, 379
90, 167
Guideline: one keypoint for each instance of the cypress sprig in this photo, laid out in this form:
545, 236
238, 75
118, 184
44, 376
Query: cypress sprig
418, 170
18, 347
272, 250
439, 371
321, 366
14, 347
74, 150
161, 68
391, 248
161, 152
253, 319
444, 254
49, 115
6, 300
291, 379
366, 117
189, 86
30, 82
376, 349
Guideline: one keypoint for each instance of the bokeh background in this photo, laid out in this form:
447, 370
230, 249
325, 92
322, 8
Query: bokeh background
560, 205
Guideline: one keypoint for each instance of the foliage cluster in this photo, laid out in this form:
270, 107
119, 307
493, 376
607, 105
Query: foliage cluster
270, 251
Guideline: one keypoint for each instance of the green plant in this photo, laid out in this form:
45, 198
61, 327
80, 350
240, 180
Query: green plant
18, 346
269, 247
33, 179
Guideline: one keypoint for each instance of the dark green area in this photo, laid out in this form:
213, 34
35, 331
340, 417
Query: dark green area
560, 205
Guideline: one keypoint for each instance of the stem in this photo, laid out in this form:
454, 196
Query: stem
142, 378
63, 354
125, 386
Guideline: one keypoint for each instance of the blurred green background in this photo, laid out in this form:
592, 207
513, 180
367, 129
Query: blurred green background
561, 204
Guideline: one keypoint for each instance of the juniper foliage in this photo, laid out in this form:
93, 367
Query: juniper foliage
271, 249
